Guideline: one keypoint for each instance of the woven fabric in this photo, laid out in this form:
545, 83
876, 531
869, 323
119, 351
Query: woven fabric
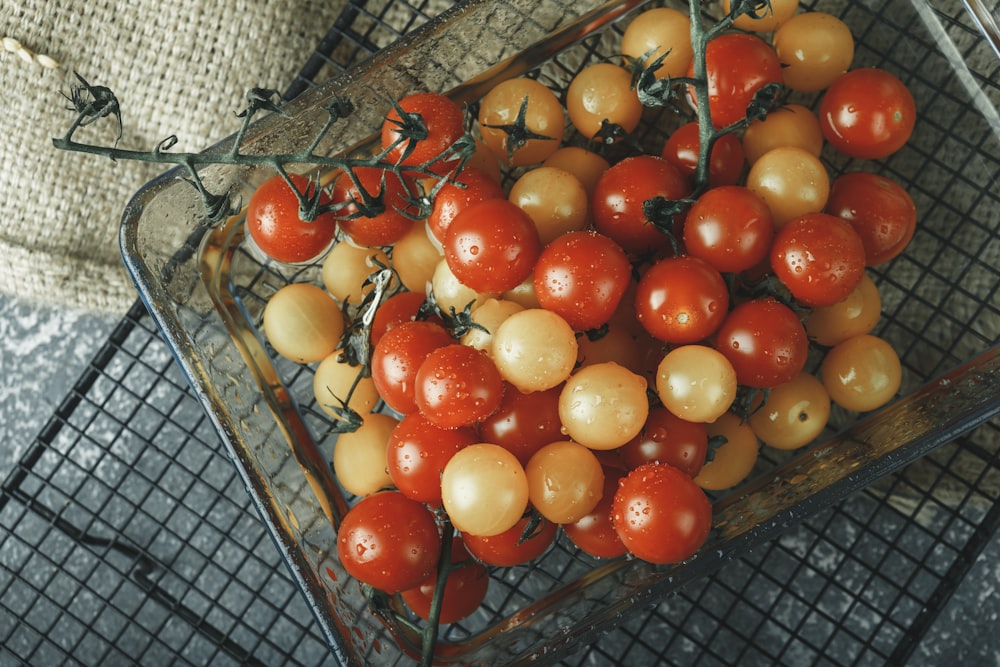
179, 68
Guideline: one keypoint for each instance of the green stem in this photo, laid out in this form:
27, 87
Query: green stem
429, 634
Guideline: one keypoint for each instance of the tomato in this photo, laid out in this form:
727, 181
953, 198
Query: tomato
733, 460
819, 257
565, 481
335, 380
303, 323
793, 414
484, 489
397, 309
487, 317
681, 299
415, 257
359, 459
397, 358
867, 113
416, 453
854, 315
662, 31
554, 199
457, 385
660, 514
861, 373
594, 533
879, 209
603, 406
492, 246
683, 149
730, 227
469, 187
814, 49
788, 125
389, 541
618, 204
521, 121
524, 423
586, 165
513, 546
465, 588
792, 182
600, 94
443, 124
346, 269
737, 66
274, 225
765, 342
582, 276
666, 438
768, 17
534, 349
386, 226
696, 383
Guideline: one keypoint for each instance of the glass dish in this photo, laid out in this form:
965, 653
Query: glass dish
940, 310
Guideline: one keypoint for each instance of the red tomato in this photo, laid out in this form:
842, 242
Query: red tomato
274, 225
595, 533
582, 277
457, 385
397, 358
512, 547
765, 341
879, 209
383, 228
867, 113
524, 423
417, 452
666, 438
389, 541
492, 246
730, 227
681, 300
464, 589
660, 514
619, 200
443, 124
725, 165
819, 258
398, 308
470, 187
737, 66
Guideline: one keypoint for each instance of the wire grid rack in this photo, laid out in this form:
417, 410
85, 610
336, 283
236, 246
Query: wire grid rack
126, 536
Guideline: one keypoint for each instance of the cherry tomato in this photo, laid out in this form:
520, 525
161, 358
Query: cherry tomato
469, 187
603, 93
415, 257
565, 481
879, 209
492, 246
540, 113
389, 541
594, 533
861, 373
417, 451
457, 385
788, 125
729, 227
465, 588
681, 299
586, 165
383, 228
666, 438
535, 349
767, 18
346, 269
487, 317
791, 180
514, 546
443, 124
484, 489
582, 276
274, 225
855, 315
733, 460
554, 199
524, 423
603, 406
335, 380
662, 31
696, 383
819, 257
660, 514
765, 342
620, 195
397, 358
737, 66
303, 323
397, 309
683, 148
814, 49
867, 113
359, 459
793, 414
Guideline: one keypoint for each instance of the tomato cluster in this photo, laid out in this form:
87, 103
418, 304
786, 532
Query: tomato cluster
569, 348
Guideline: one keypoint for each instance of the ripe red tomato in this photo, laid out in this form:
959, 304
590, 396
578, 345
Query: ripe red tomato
681, 300
595, 533
492, 246
666, 438
381, 229
725, 164
765, 341
582, 277
457, 385
819, 258
867, 113
660, 514
879, 209
397, 358
737, 66
464, 589
620, 195
730, 227
512, 547
274, 225
398, 308
524, 423
444, 123
417, 452
389, 541
468, 188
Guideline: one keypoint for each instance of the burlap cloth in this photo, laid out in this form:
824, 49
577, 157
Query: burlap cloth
179, 67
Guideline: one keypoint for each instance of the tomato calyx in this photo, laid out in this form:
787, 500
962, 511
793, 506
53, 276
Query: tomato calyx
518, 133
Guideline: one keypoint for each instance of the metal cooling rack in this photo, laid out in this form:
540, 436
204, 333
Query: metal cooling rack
126, 535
